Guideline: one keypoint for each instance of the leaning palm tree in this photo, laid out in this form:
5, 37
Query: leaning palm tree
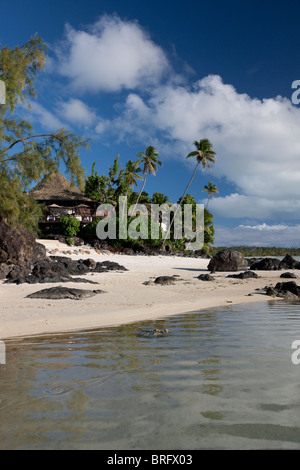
150, 161
205, 156
211, 190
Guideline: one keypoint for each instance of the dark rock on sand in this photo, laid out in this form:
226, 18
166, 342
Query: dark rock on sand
288, 275
59, 269
227, 260
56, 293
288, 290
165, 280
288, 262
206, 277
244, 275
266, 264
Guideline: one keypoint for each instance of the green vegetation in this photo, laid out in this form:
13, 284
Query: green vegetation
70, 225
211, 190
26, 157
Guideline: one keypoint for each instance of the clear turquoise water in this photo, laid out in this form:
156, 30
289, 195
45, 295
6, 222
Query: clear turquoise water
222, 379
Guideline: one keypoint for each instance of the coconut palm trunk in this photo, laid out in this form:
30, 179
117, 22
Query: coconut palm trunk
205, 155
140, 193
179, 205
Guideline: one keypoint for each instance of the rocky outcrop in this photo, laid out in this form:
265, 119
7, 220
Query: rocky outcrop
266, 264
274, 264
58, 293
18, 247
59, 269
288, 290
288, 262
227, 260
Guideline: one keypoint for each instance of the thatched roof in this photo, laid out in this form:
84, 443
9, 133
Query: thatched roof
56, 187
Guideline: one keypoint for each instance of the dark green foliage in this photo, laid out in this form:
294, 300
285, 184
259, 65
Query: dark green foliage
70, 225
105, 189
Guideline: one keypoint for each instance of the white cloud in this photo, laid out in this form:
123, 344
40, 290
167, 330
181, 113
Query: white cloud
77, 112
112, 55
257, 141
45, 118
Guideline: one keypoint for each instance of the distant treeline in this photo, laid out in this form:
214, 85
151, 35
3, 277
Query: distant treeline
259, 250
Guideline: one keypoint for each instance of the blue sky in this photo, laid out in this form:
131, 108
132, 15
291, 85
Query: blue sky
166, 73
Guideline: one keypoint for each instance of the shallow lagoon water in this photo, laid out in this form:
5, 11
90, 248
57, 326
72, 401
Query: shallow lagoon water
222, 378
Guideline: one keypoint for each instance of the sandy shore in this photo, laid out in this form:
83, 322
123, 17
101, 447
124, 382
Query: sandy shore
126, 298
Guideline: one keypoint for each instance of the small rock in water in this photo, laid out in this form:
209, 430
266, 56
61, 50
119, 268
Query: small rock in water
155, 332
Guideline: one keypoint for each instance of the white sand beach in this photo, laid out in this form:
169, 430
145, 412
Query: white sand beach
126, 299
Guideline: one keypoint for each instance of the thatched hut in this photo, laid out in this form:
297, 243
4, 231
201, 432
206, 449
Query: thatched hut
60, 197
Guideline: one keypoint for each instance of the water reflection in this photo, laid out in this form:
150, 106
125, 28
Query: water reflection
115, 389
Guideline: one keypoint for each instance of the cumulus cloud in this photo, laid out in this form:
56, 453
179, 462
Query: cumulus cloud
77, 112
112, 55
46, 119
257, 141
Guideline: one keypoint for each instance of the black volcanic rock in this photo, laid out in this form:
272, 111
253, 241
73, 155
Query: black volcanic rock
58, 269
288, 275
19, 247
266, 264
288, 290
227, 260
165, 280
244, 275
58, 293
206, 277
288, 262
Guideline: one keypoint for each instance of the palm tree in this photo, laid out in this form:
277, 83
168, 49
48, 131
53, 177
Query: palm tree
150, 161
205, 155
160, 199
211, 190
132, 175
